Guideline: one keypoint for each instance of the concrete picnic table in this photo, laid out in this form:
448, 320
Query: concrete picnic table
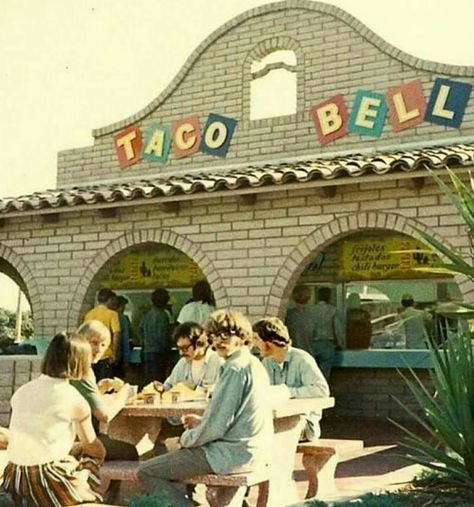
140, 423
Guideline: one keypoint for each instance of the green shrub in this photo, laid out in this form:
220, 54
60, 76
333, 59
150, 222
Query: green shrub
153, 500
369, 500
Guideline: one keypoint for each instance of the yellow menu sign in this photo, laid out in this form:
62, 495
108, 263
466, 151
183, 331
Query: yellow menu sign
378, 258
160, 266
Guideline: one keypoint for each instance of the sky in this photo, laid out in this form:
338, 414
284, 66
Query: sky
68, 66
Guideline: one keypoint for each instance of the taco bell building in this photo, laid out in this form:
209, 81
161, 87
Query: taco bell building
203, 182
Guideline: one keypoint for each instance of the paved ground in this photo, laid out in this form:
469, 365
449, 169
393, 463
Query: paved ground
376, 467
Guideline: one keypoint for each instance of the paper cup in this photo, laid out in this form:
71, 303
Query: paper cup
150, 398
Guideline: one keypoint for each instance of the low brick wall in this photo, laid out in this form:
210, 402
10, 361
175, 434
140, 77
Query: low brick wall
370, 392
359, 392
14, 372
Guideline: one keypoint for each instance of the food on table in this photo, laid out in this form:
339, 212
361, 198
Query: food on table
110, 385
185, 393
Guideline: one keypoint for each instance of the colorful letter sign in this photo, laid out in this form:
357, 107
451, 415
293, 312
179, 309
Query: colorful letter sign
128, 145
157, 143
448, 102
186, 136
217, 135
406, 105
330, 119
368, 114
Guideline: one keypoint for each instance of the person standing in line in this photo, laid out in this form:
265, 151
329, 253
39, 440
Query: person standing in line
104, 407
118, 304
235, 433
106, 367
328, 332
295, 368
414, 322
201, 306
47, 415
358, 324
301, 320
155, 336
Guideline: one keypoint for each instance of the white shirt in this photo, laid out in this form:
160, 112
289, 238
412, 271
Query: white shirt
195, 311
42, 425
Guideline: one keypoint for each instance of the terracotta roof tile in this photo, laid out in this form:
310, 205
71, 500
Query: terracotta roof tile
354, 166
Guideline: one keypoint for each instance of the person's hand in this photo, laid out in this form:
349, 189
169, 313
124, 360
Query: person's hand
191, 421
76, 450
106, 384
158, 386
173, 444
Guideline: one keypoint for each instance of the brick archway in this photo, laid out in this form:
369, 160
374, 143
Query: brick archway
297, 261
25, 279
131, 239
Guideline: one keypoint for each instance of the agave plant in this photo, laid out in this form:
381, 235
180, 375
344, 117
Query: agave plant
461, 196
448, 412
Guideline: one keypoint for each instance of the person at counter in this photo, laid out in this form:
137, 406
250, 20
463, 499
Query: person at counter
329, 333
358, 324
154, 333
201, 305
415, 323
198, 368
301, 320
292, 367
236, 430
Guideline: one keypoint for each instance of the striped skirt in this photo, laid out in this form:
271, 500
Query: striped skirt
57, 484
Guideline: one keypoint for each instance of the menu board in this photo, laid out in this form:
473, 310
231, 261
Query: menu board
157, 266
387, 257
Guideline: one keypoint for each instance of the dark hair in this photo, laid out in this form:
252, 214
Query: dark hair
114, 302
202, 292
123, 300
324, 294
301, 294
160, 297
104, 295
68, 356
407, 300
193, 331
272, 329
229, 323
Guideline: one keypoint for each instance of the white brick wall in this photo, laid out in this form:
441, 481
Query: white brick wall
335, 54
245, 251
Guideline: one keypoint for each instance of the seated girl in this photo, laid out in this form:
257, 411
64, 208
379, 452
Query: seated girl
47, 415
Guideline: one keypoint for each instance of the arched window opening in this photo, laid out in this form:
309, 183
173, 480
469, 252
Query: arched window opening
16, 323
382, 297
273, 89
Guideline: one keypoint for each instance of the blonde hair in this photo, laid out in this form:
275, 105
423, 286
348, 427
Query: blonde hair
94, 329
68, 356
229, 323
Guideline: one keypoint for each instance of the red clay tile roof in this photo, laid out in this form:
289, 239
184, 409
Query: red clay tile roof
249, 177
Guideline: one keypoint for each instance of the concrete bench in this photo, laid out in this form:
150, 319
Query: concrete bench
320, 459
220, 488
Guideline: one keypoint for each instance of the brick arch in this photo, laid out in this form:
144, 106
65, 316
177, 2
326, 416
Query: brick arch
133, 239
299, 258
18, 270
